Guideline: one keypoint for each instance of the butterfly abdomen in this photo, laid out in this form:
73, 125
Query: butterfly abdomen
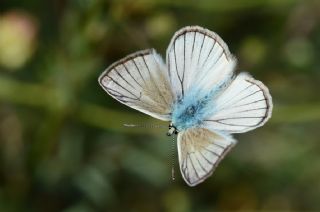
197, 91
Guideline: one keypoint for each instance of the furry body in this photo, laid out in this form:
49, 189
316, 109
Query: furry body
192, 109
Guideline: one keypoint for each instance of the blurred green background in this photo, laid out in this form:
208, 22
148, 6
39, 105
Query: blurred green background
63, 146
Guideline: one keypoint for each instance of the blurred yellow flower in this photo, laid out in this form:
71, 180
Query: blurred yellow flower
17, 39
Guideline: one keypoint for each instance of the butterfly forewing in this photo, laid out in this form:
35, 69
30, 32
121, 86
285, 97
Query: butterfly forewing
200, 151
198, 75
198, 57
140, 81
245, 105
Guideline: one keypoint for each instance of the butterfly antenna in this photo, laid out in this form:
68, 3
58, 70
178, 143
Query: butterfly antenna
172, 159
144, 125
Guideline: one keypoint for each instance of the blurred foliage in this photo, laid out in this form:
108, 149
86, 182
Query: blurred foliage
63, 143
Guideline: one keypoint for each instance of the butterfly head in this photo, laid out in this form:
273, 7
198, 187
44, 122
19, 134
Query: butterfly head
172, 130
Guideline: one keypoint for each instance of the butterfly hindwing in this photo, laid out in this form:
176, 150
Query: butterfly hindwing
195, 86
200, 151
245, 105
140, 81
197, 56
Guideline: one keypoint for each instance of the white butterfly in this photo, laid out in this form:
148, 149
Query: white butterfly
197, 92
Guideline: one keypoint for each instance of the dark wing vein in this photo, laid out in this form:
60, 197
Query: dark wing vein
184, 57
235, 125
115, 69
194, 38
195, 170
230, 99
205, 61
195, 156
153, 81
125, 67
206, 158
245, 104
201, 49
123, 87
135, 64
241, 111
176, 62
212, 152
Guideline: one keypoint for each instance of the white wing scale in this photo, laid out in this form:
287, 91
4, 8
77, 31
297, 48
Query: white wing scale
200, 151
197, 56
140, 81
245, 105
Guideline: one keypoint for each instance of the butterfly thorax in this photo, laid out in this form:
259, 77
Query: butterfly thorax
191, 110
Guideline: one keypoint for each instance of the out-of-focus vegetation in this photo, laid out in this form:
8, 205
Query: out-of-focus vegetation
63, 145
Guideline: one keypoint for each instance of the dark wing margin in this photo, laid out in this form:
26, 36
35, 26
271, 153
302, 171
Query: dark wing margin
200, 151
245, 105
198, 57
140, 81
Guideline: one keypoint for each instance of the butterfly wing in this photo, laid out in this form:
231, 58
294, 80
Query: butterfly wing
245, 105
200, 151
198, 57
140, 81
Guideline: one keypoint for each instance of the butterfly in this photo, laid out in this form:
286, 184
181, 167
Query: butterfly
197, 91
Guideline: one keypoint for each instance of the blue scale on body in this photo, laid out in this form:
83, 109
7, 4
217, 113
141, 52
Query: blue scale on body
191, 110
